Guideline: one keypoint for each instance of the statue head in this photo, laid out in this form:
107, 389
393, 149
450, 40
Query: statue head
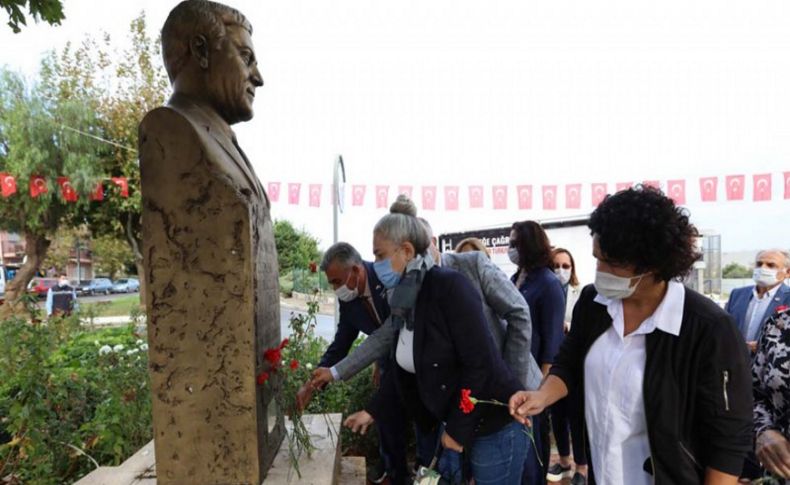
208, 54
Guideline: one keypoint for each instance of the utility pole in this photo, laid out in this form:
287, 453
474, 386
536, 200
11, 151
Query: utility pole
337, 208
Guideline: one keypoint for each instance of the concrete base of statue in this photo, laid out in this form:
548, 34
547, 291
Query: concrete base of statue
324, 467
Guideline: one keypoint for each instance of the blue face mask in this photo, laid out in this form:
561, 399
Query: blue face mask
388, 277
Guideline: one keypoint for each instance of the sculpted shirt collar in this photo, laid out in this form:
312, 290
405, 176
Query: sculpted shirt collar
213, 118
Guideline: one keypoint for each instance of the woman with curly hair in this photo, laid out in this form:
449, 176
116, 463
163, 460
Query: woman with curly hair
662, 372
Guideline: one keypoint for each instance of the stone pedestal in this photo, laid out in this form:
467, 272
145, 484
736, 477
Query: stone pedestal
212, 301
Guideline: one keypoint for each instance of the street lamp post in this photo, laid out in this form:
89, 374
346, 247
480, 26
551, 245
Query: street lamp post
337, 208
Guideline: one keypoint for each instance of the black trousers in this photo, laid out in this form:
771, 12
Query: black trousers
565, 421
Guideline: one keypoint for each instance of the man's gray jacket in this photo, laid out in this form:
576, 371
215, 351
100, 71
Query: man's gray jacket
504, 307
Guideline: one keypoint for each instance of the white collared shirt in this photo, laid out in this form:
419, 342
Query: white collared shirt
614, 371
756, 310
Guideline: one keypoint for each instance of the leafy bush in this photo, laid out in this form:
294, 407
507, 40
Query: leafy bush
72, 399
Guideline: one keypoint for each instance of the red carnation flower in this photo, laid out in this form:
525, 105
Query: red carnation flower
262, 378
467, 404
283, 343
273, 357
313, 267
782, 308
294, 364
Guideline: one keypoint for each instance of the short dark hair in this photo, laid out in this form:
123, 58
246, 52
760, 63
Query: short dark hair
534, 249
643, 227
341, 252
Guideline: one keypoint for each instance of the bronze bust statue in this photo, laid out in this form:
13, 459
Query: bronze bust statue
210, 258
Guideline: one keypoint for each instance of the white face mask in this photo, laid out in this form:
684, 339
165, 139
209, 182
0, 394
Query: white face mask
512, 253
765, 277
563, 274
615, 287
346, 294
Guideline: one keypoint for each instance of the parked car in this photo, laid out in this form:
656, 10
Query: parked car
98, 285
126, 285
39, 286
79, 286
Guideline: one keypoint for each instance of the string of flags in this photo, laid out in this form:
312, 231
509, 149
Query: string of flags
533, 196
37, 186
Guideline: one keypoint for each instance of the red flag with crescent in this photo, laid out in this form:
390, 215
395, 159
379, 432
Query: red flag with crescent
274, 191
429, 197
735, 186
708, 188
66, 190
623, 186
98, 192
7, 184
123, 184
598, 193
315, 195
676, 190
451, 197
573, 199
499, 193
524, 197
382, 196
762, 187
549, 197
476, 196
787, 185
652, 183
38, 186
294, 189
358, 194
405, 190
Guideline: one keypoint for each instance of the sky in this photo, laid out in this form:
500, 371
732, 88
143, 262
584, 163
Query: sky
461, 93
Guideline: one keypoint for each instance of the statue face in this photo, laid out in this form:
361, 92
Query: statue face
233, 76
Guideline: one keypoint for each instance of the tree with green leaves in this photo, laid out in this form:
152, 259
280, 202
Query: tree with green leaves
296, 248
51, 11
37, 139
111, 256
735, 270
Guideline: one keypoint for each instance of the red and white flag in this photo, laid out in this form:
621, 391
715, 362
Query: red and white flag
708, 188
66, 190
762, 187
123, 184
358, 194
406, 190
274, 191
524, 197
98, 192
476, 196
429, 197
315, 195
7, 184
623, 186
676, 190
499, 194
38, 186
549, 197
787, 185
294, 188
451, 197
598, 193
735, 186
382, 196
573, 196
652, 183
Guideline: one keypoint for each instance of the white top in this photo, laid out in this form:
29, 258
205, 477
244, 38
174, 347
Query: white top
614, 371
756, 310
404, 352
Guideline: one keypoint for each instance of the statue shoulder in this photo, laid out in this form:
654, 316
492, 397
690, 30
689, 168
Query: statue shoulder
167, 115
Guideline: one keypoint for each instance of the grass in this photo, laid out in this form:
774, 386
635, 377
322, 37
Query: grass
118, 307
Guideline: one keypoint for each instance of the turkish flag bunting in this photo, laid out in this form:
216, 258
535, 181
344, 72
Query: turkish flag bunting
735, 186
652, 183
405, 190
68, 192
274, 191
623, 186
7, 184
676, 190
549, 197
762, 186
598, 193
573, 199
38, 186
476, 196
123, 184
358, 194
98, 192
524, 197
499, 193
315, 195
708, 188
429, 197
787, 185
382, 196
294, 188
451, 197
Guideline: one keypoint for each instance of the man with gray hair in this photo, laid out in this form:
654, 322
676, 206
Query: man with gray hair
752, 305
363, 307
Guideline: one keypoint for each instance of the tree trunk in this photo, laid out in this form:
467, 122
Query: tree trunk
135, 244
36, 246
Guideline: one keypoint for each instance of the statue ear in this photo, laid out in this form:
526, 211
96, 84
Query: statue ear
198, 49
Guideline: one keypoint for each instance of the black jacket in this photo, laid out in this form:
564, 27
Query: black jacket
453, 350
697, 388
